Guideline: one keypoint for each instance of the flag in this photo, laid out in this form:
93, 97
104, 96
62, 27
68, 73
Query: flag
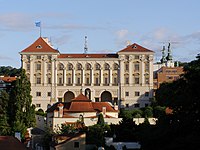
38, 24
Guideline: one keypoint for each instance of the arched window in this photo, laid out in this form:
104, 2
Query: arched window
60, 66
78, 66
106, 66
115, 66
88, 66
69, 66
97, 66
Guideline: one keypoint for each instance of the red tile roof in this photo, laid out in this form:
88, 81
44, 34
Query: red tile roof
81, 107
8, 79
88, 56
135, 48
81, 98
40, 46
82, 104
11, 143
99, 105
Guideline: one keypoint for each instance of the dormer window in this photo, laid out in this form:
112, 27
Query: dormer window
134, 47
38, 46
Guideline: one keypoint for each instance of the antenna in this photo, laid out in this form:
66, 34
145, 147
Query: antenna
85, 46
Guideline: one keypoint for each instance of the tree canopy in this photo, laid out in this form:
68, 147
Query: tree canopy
181, 129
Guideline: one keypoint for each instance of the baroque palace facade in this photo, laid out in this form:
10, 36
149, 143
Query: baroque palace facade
124, 78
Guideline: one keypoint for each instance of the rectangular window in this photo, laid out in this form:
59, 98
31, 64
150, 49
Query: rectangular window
137, 80
137, 67
78, 80
38, 105
146, 105
59, 80
49, 94
146, 80
127, 80
38, 93
96, 99
87, 80
38, 80
76, 144
127, 67
127, 105
38, 67
28, 67
96, 81
146, 94
106, 80
38, 57
115, 81
49, 67
59, 99
49, 80
69, 80
137, 93
146, 67
136, 105
137, 56
126, 93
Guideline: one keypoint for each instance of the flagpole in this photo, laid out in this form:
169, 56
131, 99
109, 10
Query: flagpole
40, 29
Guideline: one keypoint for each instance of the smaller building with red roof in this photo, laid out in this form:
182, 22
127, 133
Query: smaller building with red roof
80, 106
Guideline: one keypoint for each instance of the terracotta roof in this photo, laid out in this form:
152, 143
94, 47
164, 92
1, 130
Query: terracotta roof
63, 138
8, 79
88, 56
81, 107
81, 98
11, 143
135, 48
40, 46
98, 106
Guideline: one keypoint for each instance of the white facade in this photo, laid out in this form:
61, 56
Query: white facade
125, 78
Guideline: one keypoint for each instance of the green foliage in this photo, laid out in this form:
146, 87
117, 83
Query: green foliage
181, 129
100, 120
9, 71
159, 111
66, 129
130, 114
40, 112
4, 126
95, 134
147, 112
21, 113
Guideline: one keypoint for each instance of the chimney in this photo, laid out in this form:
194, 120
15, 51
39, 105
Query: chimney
116, 107
60, 110
104, 111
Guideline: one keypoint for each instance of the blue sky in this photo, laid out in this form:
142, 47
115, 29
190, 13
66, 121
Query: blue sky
108, 24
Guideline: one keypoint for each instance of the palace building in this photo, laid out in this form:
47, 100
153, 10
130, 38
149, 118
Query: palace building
124, 78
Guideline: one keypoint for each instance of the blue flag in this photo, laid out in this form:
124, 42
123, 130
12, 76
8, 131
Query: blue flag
38, 24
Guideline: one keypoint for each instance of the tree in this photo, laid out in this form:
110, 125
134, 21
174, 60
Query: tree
181, 129
4, 126
21, 112
100, 120
9, 71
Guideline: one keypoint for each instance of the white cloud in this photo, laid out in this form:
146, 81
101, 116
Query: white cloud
121, 34
15, 21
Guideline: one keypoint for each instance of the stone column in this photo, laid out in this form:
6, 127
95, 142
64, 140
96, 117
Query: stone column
130, 72
110, 76
142, 71
83, 76
101, 76
92, 76
32, 70
74, 76
64, 77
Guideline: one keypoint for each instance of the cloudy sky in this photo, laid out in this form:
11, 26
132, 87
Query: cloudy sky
108, 24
